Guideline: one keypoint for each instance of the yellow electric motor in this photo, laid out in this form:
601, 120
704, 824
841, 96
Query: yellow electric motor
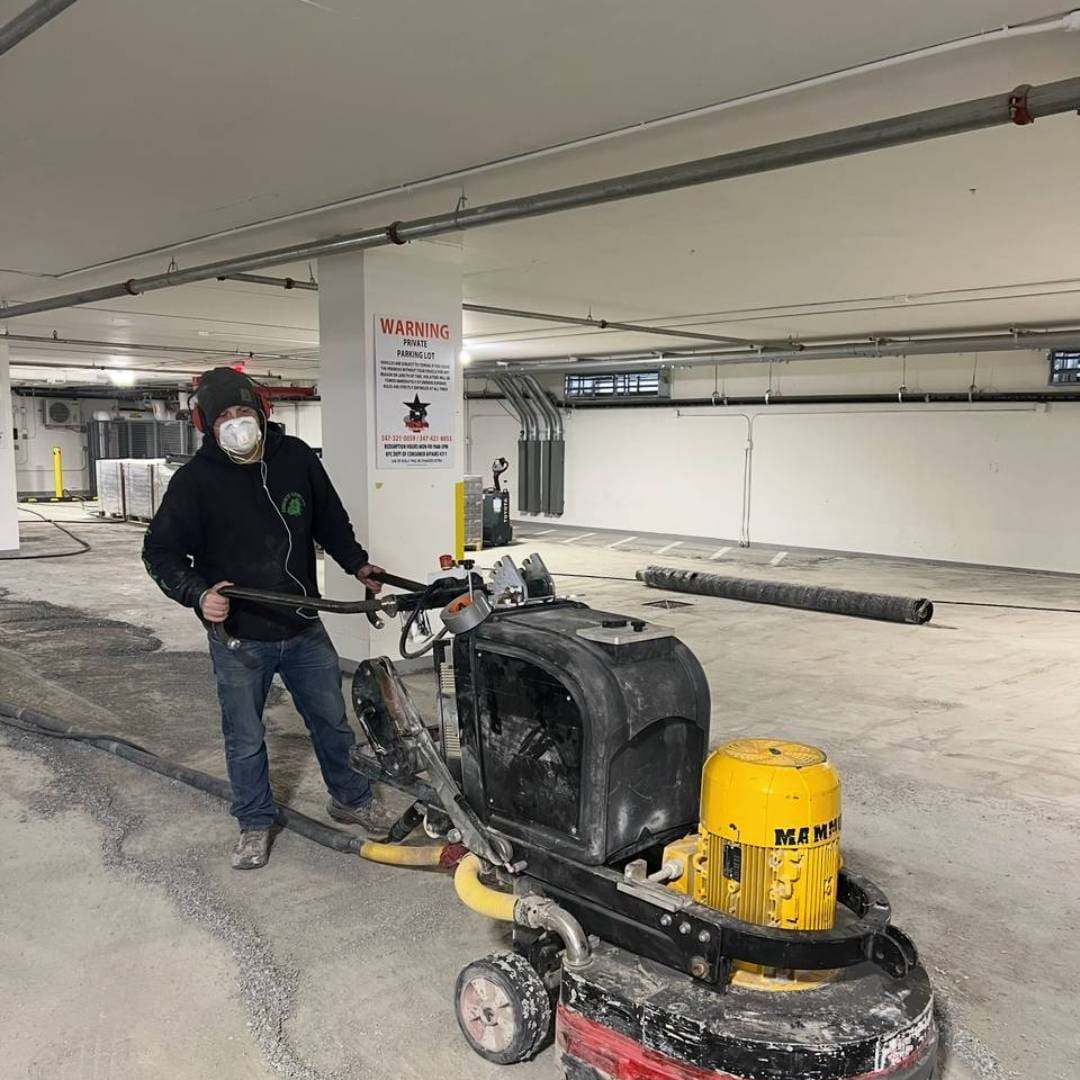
768, 851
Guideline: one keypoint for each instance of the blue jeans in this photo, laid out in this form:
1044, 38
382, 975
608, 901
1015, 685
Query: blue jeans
308, 665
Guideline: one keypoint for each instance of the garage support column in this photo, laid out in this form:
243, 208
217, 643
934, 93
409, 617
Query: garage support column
9, 509
404, 515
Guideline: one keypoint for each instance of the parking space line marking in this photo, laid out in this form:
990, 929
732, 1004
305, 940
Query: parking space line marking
778, 558
719, 554
625, 540
668, 547
575, 539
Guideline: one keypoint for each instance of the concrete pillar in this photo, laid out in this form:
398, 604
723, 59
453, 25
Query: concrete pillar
402, 499
9, 509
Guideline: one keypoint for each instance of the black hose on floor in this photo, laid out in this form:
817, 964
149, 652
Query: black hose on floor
901, 609
82, 549
32, 722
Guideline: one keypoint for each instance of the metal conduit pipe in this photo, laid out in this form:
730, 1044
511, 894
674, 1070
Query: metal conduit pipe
106, 368
525, 441
540, 495
516, 313
279, 282
546, 404
777, 401
522, 445
512, 389
1021, 106
552, 498
27, 22
127, 346
533, 396
1020, 340
535, 447
601, 324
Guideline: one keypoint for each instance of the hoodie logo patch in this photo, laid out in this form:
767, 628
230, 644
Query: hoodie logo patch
293, 505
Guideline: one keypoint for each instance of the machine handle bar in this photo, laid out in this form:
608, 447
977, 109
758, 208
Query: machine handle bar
317, 603
435, 595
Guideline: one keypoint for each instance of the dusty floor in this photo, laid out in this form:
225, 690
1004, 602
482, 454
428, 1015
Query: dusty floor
128, 948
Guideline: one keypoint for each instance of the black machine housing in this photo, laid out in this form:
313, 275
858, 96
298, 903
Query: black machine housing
581, 733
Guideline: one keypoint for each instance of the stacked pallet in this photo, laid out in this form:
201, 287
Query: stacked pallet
110, 488
474, 513
132, 488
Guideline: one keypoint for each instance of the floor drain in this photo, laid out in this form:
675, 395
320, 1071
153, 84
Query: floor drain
668, 604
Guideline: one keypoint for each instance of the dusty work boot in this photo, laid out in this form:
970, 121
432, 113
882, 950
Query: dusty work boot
374, 818
252, 849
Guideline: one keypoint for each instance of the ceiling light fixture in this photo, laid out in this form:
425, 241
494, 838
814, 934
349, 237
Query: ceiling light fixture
122, 378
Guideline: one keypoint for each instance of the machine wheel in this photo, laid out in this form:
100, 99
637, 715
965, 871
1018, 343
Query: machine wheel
503, 1008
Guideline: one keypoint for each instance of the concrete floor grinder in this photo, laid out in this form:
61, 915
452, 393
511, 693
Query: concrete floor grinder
678, 915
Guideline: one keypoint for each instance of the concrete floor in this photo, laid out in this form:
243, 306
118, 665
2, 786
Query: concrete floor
128, 948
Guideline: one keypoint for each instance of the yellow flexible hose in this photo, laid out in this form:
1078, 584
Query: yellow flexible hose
474, 894
400, 855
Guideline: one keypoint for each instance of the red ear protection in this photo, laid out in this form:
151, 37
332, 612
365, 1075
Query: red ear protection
265, 400
266, 406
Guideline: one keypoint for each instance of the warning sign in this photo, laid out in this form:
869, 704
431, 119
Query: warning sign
414, 393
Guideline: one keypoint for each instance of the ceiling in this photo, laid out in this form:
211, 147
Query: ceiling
143, 126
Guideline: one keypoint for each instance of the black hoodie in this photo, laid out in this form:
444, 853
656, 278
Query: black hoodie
217, 522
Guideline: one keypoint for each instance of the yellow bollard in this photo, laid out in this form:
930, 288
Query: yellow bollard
459, 520
58, 474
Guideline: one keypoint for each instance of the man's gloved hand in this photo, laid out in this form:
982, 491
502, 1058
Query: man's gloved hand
214, 606
363, 575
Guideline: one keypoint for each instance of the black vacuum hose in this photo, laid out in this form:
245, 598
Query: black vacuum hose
901, 609
38, 723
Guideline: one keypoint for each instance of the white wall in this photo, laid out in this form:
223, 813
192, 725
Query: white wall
302, 419
33, 449
977, 483
9, 511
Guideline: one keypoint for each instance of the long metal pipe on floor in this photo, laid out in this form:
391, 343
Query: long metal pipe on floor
1021, 106
863, 605
29, 21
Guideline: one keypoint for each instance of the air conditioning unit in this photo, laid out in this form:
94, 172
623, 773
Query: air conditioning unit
60, 414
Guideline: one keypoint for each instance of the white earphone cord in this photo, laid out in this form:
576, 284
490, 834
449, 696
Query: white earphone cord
288, 533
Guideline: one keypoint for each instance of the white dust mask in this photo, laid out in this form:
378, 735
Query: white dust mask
240, 435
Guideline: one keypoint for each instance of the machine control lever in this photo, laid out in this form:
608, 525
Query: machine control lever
401, 740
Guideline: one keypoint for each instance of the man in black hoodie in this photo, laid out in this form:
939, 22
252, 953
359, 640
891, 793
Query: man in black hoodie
247, 510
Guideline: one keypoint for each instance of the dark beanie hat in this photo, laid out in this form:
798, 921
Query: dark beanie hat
220, 389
